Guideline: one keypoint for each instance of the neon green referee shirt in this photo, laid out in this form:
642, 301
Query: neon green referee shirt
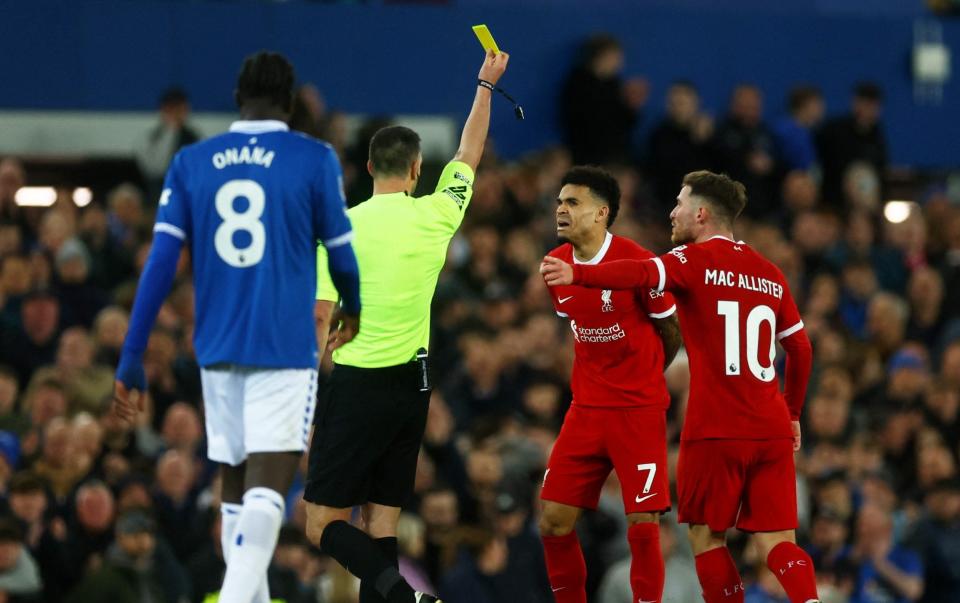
401, 245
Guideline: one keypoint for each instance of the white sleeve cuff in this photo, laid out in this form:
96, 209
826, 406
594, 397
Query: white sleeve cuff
665, 314
170, 229
339, 241
790, 331
663, 274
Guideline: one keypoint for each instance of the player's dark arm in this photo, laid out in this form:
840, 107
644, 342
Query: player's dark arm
799, 366
669, 329
155, 283
475, 129
322, 316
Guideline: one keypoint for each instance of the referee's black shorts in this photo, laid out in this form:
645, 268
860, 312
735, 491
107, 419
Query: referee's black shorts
367, 436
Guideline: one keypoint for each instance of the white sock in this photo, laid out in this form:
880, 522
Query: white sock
250, 547
229, 517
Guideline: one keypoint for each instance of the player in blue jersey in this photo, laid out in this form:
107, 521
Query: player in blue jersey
251, 205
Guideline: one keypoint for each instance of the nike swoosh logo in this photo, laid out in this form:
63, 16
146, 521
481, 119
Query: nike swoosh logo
558, 589
563, 299
640, 499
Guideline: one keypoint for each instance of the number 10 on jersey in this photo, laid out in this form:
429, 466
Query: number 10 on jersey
730, 310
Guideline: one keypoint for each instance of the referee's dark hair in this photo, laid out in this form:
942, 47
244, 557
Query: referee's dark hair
393, 150
603, 186
266, 76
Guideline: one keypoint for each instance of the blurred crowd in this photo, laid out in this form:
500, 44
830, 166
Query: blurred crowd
96, 510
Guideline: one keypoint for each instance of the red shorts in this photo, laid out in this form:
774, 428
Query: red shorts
750, 484
633, 441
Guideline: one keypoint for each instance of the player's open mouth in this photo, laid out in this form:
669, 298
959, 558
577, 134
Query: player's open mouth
562, 223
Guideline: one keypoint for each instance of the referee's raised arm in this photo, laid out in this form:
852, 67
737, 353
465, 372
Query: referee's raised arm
478, 122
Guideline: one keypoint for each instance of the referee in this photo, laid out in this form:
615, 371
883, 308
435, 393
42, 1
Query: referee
373, 410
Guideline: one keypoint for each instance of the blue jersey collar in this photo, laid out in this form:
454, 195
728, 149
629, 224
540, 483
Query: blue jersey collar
260, 126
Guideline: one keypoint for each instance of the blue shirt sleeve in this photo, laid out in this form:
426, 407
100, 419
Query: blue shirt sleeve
331, 224
173, 212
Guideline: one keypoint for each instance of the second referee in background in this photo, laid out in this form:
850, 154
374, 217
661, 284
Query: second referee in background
373, 409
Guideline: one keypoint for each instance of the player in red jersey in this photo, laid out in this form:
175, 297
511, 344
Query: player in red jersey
618, 417
736, 452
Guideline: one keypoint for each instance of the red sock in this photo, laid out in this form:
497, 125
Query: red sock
719, 577
646, 567
566, 568
794, 569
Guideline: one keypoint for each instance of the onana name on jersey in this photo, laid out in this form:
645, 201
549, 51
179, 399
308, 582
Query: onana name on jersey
728, 278
256, 156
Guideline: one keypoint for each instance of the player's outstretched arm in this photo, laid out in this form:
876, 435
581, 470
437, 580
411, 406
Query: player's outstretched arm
155, 283
478, 122
618, 274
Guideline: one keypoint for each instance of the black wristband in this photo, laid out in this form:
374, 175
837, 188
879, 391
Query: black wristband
517, 109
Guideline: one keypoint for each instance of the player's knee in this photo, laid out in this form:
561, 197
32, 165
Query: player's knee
702, 539
315, 529
555, 522
637, 518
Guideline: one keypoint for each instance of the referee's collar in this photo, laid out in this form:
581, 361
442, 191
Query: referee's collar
258, 126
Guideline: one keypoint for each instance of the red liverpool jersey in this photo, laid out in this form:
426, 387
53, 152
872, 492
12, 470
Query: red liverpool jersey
733, 306
618, 352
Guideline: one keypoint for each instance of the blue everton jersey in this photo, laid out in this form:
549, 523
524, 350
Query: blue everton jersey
252, 205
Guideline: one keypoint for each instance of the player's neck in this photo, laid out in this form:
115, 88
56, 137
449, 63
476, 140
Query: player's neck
256, 111
589, 247
388, 186
710, 232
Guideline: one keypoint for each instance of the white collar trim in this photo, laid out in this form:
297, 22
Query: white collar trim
597, 258
725, 239
259, 126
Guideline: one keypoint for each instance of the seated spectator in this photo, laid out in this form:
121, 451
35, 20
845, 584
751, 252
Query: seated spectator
61, 464
475, 577
91, 530
19, 573
935, 538
109, 329
86, 384
45, 532
182, 430
34, 343
174, 501
888, 572
136, 568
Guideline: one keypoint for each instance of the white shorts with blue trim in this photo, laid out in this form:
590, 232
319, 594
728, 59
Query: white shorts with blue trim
251, 410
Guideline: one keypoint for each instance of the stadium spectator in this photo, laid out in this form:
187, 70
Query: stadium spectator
888, 571
159, 144
794, 133
935, 537
680, 143
137, 567
847, 139
743, 147
32, 343
20, 576
598, 108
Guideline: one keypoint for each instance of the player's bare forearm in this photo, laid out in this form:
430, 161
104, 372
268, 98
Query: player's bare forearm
669, 329
475, 129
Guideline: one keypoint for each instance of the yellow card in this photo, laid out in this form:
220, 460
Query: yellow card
486, 39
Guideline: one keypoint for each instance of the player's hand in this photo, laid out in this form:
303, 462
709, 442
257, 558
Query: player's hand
127, 402
556, 272
494, 64
131, 382
347, 328
795, 425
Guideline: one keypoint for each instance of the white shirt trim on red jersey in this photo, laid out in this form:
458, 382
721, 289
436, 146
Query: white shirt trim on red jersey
665, 313
725, 239
790, 331
259, 126
596, 259
663, 273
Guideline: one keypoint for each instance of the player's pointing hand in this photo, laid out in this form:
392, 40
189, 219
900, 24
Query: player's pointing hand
494, 64
556, 272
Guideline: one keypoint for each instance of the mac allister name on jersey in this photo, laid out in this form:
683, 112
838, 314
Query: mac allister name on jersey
728, 278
